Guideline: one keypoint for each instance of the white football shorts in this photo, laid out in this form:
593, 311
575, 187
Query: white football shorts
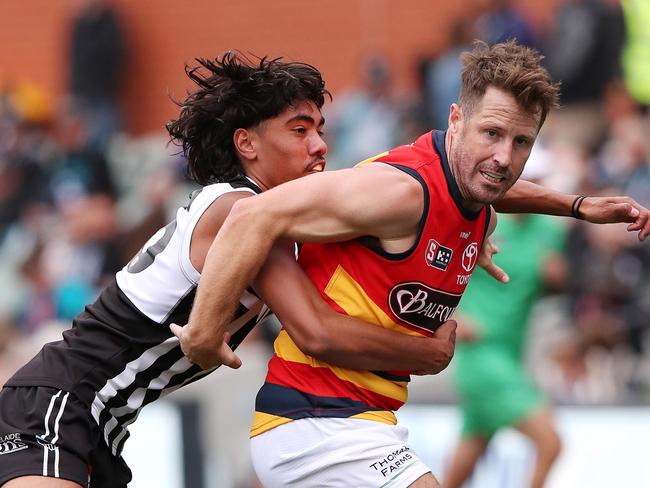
333, 453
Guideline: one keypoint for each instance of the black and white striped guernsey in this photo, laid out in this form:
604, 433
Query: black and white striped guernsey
119, 354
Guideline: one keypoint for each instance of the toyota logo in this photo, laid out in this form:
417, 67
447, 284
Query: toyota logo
469, 256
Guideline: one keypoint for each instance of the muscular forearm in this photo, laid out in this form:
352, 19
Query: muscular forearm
230, 265
321, 332
527, 197
354, 344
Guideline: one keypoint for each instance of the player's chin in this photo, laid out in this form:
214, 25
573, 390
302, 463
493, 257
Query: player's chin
491, 193
488, 197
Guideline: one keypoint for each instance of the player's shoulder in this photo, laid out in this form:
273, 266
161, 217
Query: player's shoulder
385, 182
220, 197
221, 192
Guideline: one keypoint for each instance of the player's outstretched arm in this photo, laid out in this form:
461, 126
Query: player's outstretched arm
527, 197
339, 339
381, 201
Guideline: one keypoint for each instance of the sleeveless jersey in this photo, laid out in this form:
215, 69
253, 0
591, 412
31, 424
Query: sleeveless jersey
120, 354
412, 292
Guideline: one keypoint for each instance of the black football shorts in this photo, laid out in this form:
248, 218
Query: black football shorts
49, 432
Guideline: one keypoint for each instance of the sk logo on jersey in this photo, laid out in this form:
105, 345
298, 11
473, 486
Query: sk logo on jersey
438, 256
470, 254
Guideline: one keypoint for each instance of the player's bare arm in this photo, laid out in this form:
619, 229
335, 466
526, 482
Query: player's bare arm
527, 197
377, 200
202, 237
317, 329
321, 332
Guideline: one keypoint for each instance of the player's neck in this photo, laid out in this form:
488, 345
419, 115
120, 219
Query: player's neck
257, 179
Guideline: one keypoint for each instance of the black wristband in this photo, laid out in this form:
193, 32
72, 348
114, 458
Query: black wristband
575, 207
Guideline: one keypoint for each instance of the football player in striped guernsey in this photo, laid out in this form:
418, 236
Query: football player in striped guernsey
247, 127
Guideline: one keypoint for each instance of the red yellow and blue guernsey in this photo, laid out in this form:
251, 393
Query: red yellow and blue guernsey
413, 292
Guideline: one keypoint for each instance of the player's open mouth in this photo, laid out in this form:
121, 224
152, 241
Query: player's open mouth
493, 177
316, 166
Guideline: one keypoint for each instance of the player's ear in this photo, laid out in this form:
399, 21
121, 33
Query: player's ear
243, 140
455, 117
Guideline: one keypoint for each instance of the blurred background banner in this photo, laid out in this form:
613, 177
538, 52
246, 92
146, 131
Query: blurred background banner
591, 455
87, 175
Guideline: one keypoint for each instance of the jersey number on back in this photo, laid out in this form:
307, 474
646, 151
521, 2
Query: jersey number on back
147, 255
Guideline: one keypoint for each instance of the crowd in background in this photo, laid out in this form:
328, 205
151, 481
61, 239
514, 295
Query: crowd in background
78, 197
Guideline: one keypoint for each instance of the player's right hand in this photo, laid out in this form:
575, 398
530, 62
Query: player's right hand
207, 353
609, 210
485, 261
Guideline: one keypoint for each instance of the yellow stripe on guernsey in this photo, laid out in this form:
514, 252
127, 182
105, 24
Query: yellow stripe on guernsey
370, 160
349, 295
287, 350
264, 421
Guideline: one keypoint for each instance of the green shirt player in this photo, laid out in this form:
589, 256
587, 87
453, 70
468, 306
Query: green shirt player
494, 389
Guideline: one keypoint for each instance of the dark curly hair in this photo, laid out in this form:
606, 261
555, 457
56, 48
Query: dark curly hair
234, 92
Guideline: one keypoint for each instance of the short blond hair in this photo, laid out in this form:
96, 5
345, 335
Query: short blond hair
510, 67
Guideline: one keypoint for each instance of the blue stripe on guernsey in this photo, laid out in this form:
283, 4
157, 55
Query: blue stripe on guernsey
290, 403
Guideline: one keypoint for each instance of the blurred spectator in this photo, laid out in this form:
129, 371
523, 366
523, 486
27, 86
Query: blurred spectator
22, 189
502, 21
636, 54
585, 47
364, 121
442, 75
623, 157
25, 115
40, 307
82, 253
79, 169
96, 51
27, 103
583, 53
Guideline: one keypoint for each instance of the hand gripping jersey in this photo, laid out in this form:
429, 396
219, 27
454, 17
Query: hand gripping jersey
413, 292
120, 354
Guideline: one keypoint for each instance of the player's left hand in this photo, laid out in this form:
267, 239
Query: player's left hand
205, 352
610, 210
485, 261
444, 339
